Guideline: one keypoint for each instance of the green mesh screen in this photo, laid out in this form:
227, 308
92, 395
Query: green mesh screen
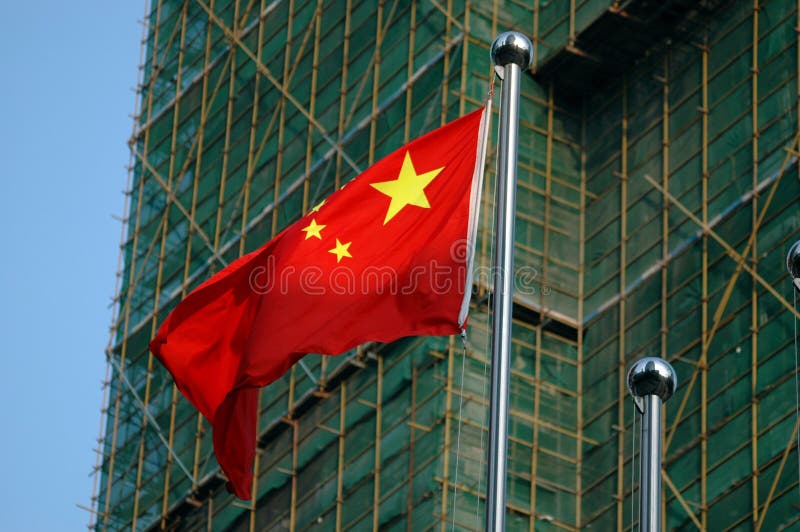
634, 203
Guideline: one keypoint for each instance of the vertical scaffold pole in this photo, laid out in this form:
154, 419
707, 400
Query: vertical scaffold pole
651, 381
511, 52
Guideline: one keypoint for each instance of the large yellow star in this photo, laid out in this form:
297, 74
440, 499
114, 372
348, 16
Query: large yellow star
407, 189
313, 229
341, 250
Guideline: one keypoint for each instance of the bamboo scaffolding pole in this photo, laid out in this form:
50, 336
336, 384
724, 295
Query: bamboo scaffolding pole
448, 408
126, 313
571, 23
462, 89
282, 121
295, 451
226, 149
316, 22
168, 469
664, 330
412, 35
536, 416
703, 364
158, 283
445, 88
343, 87
256, 468
200, 137
376, 483
548, 192
242, 21
495, 16
376, 79
543, 316
621, 369
535, 37
251, 158
412, 428
754, 262
210, 515
290, 397
580, 340
173, 146
340, 463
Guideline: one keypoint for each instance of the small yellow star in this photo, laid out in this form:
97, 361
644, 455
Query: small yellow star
407, 189
318, 206
341, 250
313, 229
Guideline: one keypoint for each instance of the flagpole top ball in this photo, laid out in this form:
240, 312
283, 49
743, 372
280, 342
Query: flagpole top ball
512, 47
793, 264
652, 376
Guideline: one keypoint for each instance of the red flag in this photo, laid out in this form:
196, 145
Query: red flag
388, 255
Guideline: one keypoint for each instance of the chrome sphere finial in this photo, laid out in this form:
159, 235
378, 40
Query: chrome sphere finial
652, 376
793, 264
511, 47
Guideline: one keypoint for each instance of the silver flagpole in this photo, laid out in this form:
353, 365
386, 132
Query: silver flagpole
651, 381
793, 264
511, 52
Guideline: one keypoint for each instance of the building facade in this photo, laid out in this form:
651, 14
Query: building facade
658, 193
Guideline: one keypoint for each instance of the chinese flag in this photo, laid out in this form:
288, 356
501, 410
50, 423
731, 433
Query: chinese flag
386, 256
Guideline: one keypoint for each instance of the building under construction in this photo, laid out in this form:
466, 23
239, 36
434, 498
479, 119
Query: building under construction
658, 193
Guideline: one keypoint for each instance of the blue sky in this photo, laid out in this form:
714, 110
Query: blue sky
65, 99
